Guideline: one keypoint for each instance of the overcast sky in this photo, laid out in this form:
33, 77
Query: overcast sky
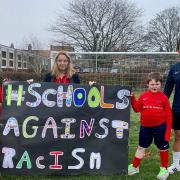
22, 18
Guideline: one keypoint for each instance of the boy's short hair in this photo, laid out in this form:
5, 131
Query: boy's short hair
154, 75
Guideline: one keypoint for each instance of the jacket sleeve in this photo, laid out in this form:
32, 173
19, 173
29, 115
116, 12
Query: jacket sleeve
169, 84
76, 78
168, 118
0, 100
0, 94
136, 104
47, 78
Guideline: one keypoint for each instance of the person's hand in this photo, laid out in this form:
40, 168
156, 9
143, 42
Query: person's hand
6, 80
92, 82
132, 96
30, 81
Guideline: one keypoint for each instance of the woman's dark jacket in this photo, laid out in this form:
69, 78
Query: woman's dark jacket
74, 79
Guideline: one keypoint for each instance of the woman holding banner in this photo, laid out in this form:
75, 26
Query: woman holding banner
62, 70
1, 82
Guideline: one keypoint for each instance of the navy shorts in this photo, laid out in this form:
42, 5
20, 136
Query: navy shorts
157, 133
176, 121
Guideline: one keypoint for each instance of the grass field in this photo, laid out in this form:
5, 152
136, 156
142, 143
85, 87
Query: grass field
148, 170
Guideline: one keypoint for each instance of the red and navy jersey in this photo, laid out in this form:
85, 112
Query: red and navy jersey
154, 109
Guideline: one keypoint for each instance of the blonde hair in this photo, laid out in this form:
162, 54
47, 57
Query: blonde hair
70, 70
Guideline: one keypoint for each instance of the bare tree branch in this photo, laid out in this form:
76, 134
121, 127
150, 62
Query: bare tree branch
115, 19
164, 30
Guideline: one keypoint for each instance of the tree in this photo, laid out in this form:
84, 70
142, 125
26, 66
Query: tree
164, 30
35, 56
34, 41
37, 64
114, 20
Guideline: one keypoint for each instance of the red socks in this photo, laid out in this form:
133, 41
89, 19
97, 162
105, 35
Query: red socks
136, 162
164, 156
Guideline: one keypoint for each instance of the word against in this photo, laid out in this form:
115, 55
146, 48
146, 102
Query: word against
12, 124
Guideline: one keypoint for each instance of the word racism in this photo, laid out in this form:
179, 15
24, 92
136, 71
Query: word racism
86, 125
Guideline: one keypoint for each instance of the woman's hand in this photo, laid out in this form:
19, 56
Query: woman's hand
6, 80
30, 81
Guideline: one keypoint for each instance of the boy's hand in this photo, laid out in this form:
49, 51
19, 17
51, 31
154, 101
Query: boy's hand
92, 82
133, 95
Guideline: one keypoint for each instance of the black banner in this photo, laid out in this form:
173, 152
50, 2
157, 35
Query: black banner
55, 129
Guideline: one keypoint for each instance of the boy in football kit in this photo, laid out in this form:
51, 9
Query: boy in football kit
155, 119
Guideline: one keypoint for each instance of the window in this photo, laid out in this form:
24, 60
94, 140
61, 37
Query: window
19, 65
122, 63
25, 65
3, 54
19, 61
11, 55
11, 64
19, 57
136, 63
25, 58
3, 62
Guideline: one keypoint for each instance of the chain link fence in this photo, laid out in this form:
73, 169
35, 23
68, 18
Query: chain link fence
126, 69
106, 68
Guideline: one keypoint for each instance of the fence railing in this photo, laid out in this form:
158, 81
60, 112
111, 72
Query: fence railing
122, 68
113, 68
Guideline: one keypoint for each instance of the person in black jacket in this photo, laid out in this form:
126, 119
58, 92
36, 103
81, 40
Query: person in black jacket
173, 79
62, 70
